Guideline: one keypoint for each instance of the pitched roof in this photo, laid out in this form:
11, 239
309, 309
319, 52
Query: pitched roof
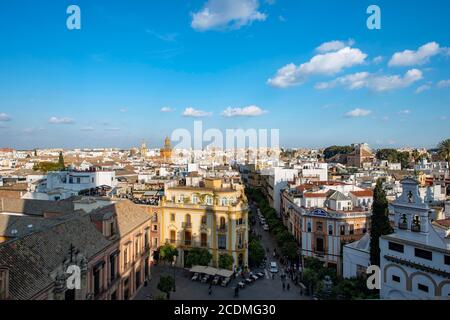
338, 196
32, 258
35, 207
362, 193
129, 215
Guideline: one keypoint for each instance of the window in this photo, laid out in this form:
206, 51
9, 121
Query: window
424, 254
209, 201
222, 223
136, 248
203, 219
395, 278
187, 238
173, 236
393, 246
423, 287
194, 199
319, 245
187, 220
222, 242
309, 226
342, 230
172, 217
155, 227
204, 240
112, 267
447, 260
319, 226
125, 257
330, 230
224, 201
352, 229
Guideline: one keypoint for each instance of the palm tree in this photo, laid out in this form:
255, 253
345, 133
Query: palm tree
444, 149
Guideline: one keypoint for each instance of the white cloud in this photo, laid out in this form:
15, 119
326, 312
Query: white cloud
112, 129
418, 57
219, 14
444, 83
357, 113
60, 120
423, 88
334, 45
373, 82
377, 59
191, 112
4, 117
88, 128
166, 37
123, 110
322, 64
249, 111
404, 112
166, 109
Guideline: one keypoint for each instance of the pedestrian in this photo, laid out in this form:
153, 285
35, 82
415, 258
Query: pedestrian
284, 286
210, 291
288, 287
273, 276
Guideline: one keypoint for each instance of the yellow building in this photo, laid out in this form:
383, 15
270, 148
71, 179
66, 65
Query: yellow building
212, 215
166, 152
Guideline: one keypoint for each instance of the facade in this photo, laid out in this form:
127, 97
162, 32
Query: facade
273, 181
415, 259
361, 154
356, 258
111, 246
79, 180
212, 215
323, 217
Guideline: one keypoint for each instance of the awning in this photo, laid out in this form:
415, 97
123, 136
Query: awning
210, 271
224, 273
198, 269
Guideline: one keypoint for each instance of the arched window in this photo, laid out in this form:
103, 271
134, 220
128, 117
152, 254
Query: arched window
187, 220
224, 201
222, 222
309, 226
209, 200
416, 224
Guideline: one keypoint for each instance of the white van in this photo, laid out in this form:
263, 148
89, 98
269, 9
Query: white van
273, 267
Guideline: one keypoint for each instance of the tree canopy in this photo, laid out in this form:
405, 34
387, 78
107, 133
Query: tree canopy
444, 149
330, 152
379, 222
198, 257
226, 261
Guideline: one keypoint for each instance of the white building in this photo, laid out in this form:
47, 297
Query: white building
80, 180
415, 259
356, 257
276, 179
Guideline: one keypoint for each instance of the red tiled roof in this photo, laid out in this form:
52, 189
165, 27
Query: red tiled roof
362, 193
315, 195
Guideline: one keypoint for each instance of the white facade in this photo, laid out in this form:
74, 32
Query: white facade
356, 257
278, 179
77, 181
415, 259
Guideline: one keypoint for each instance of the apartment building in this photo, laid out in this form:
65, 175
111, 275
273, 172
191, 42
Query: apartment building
324, 216
210, 213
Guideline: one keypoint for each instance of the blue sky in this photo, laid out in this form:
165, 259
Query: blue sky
310, 68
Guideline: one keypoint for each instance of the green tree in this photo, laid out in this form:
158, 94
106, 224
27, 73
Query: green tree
198, 257
330, 152
289, 250
61, 164
166, 284
379, 222
226, 261
168, 252
256, 253
444, 149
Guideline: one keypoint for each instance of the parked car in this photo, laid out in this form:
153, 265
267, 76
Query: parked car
254, 277
195, 277
216, 280
248, 281
260, 274
273, 267
241, 284
265, 227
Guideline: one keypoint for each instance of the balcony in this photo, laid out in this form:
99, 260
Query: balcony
222, 228
186, 225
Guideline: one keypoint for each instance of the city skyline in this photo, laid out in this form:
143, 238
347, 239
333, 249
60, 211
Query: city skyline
142, 71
